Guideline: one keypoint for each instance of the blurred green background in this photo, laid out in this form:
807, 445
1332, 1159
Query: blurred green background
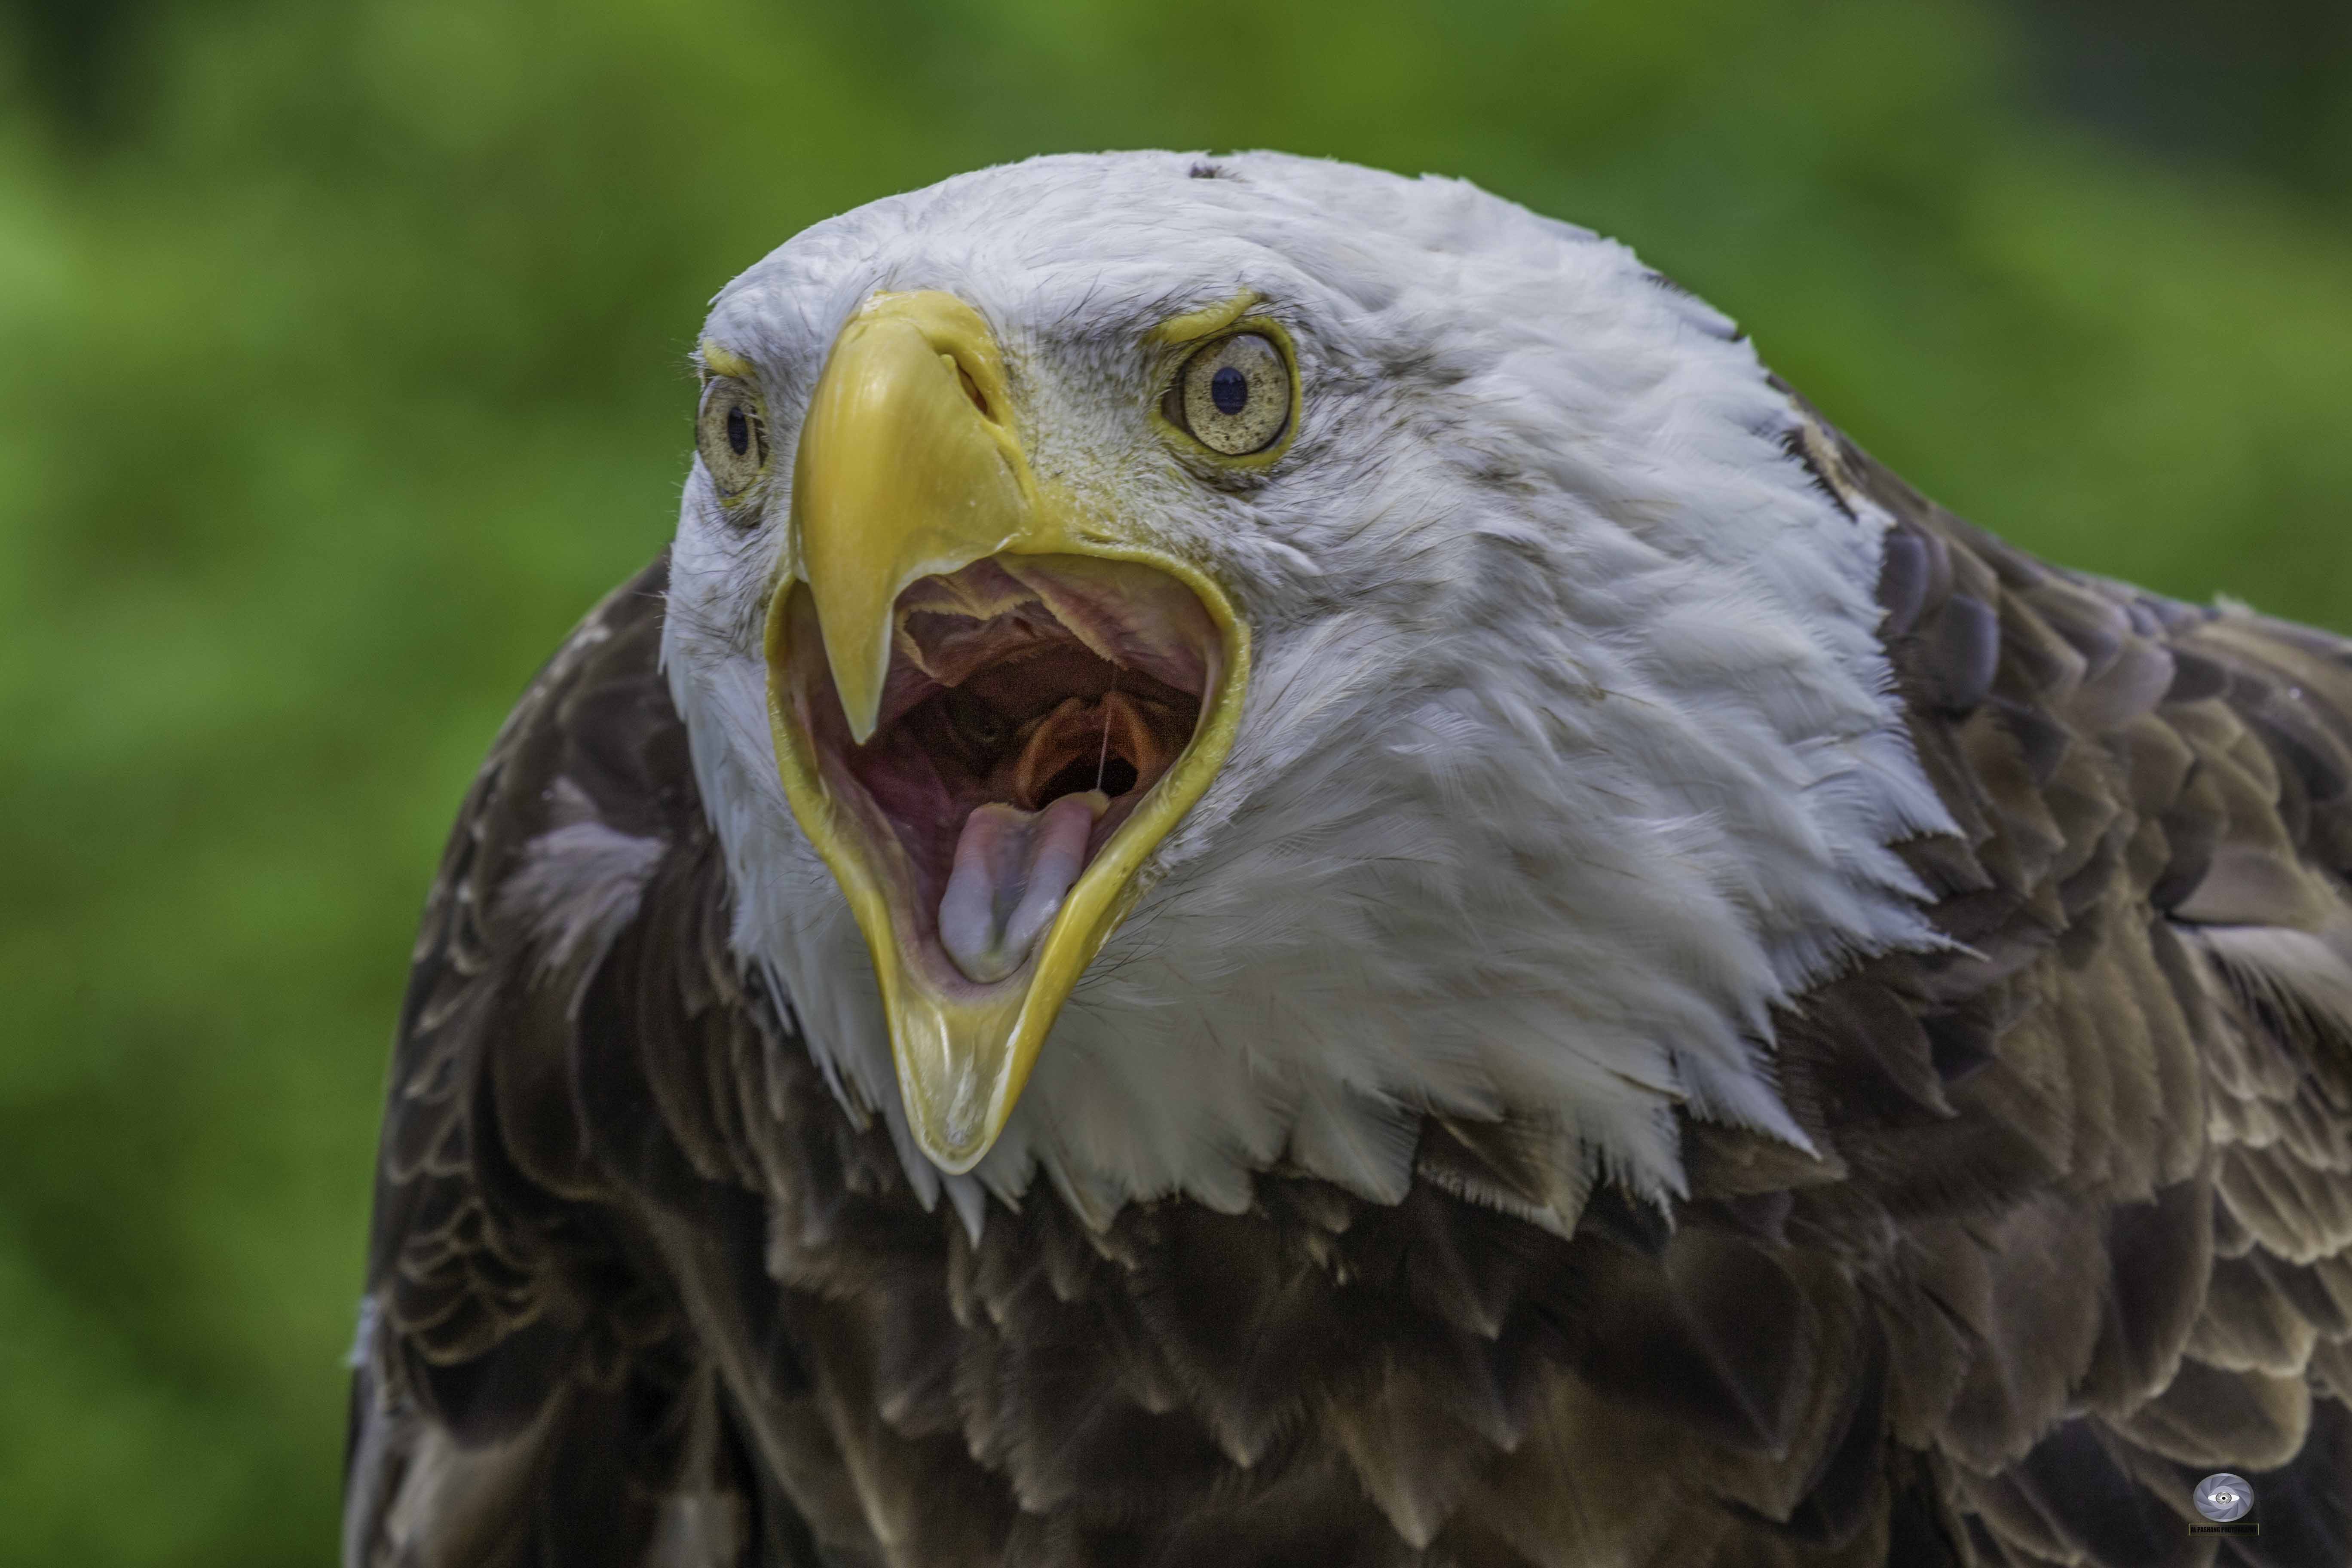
341, 365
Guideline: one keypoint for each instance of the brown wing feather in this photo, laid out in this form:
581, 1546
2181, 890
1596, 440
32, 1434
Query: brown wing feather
2079, 1230
528, 1391
2153, 877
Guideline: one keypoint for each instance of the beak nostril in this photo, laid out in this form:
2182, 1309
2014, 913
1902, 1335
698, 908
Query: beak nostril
971, 387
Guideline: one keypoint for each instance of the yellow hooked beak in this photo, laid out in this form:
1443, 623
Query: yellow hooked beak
908, 467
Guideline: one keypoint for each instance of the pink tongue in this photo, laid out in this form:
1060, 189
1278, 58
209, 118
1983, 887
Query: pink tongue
1012, 868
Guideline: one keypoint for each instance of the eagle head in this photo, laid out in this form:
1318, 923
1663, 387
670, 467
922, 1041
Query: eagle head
1201, 667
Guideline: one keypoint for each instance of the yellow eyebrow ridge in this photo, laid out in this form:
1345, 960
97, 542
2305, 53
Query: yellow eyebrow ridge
721, 361
1210, 319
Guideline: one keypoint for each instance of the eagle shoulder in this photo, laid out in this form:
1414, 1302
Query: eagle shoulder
2108, 1130
525, 1388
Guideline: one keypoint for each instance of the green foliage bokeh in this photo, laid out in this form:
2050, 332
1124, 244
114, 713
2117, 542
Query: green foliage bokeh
343, 364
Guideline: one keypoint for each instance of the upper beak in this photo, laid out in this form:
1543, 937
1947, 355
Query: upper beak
908, 467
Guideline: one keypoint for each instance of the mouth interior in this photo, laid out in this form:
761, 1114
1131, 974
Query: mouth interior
1033, 702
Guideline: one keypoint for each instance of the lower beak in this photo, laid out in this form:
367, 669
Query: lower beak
909, 468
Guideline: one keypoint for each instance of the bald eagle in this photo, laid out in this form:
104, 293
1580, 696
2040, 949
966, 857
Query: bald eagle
1284, 869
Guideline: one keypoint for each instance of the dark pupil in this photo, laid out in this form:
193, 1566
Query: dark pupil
1229, 390
738, 431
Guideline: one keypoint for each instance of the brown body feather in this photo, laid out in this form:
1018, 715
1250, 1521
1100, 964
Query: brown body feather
641, 1292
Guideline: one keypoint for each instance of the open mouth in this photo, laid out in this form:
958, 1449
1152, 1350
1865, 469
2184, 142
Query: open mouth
1031, 705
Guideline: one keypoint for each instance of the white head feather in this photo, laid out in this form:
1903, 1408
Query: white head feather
1570, 748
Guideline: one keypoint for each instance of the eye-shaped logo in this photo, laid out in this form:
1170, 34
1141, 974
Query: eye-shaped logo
2224, 1496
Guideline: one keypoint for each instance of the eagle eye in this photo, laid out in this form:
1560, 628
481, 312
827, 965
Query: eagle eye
1233, 395
732, 435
